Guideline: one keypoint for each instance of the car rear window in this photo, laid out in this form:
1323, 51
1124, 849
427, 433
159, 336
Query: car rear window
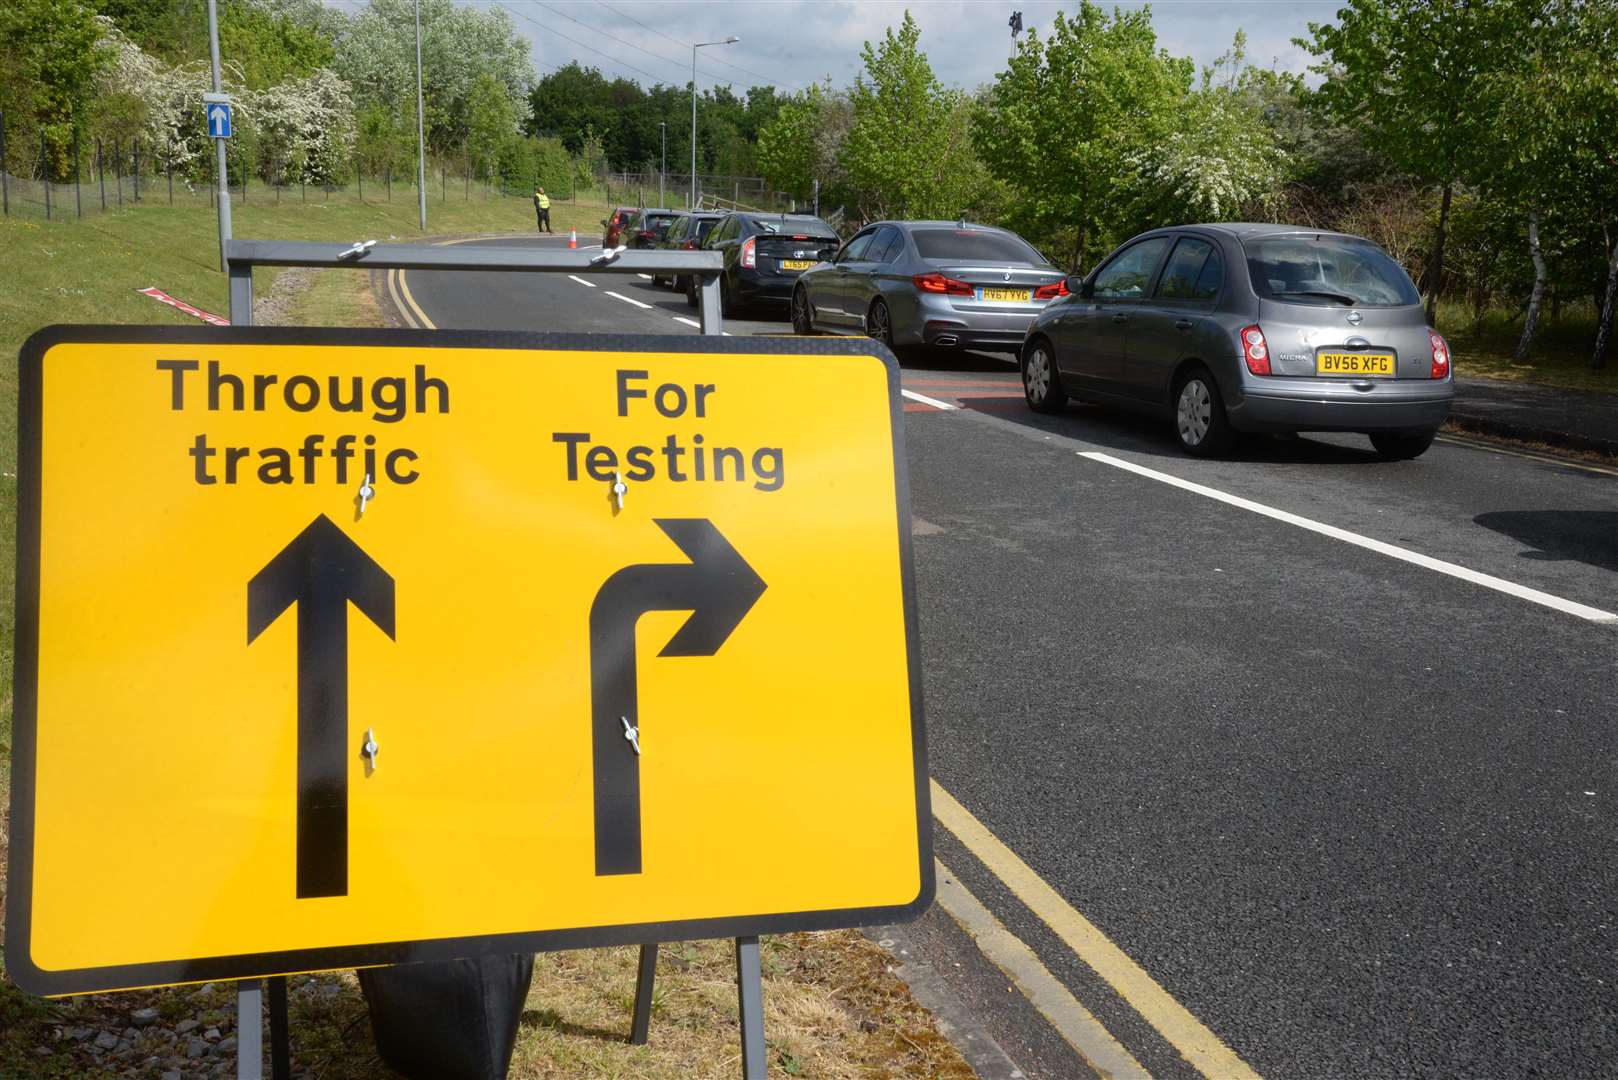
973, 245
791, 225
659, 221
1327, 270
704, 227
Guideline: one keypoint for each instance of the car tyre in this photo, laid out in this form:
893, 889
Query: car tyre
802, 322
1199, 415
1041, 382
879, 323
1396, 447
691, 290
727, 302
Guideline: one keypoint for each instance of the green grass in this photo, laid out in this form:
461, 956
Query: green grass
1560, 355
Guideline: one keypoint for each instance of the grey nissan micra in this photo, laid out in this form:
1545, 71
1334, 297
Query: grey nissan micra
1247, 328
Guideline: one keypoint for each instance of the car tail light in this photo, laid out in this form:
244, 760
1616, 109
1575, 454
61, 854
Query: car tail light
1440, 354
750, 252
945, 286
648, 234
1051, 291
690, 245
1255, 351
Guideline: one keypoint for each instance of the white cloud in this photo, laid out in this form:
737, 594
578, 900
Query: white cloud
793, 42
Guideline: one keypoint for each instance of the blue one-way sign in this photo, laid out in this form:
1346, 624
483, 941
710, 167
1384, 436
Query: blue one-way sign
219, 120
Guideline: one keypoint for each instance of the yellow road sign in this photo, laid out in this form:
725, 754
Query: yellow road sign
340, 648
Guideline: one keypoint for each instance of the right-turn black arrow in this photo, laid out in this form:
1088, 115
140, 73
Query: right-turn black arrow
718, 588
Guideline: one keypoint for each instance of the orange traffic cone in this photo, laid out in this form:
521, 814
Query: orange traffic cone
572, 238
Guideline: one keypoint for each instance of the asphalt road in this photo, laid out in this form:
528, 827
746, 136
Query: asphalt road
1356, 813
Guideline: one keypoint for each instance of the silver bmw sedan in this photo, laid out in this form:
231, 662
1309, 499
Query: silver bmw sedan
946, 284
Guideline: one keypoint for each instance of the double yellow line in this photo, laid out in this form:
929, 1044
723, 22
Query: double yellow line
1189, 1036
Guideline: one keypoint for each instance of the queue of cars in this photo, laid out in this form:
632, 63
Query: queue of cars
1221, 329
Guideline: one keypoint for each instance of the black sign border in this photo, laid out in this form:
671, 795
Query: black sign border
19, 891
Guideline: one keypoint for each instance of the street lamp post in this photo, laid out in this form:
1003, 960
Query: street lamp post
663, 169
701, 44
421, 128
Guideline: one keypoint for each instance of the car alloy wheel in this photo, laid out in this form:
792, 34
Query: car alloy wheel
1194, 413
1036, 376
879, 325
801, 322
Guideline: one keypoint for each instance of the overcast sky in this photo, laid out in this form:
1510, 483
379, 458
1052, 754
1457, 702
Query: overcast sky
790, 43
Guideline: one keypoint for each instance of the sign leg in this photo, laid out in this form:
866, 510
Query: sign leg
640, 1029
241, 294
250, 1030
280, 1034
708, 290
750, 998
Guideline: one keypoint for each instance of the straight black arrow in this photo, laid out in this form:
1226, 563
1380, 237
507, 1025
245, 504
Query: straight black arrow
718, 588
321, 570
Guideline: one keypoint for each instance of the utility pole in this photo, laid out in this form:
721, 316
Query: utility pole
664, 168
421, 128
701, 44
219, 144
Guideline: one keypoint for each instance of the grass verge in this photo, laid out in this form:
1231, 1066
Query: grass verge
1560, 355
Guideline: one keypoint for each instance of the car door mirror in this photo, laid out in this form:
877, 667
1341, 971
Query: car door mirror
1078, 286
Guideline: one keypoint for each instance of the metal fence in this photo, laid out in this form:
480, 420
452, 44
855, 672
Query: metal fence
93, 175
674, 191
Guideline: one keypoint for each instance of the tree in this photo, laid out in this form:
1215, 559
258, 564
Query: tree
1221, 157
1408, 74
1554, 110
492, 123
461, 46
906, 154
52, 53
1064, 124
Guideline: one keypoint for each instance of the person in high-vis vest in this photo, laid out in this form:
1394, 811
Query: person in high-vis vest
542, 207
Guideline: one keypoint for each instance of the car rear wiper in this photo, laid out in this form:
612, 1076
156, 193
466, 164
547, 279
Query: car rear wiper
1341, 298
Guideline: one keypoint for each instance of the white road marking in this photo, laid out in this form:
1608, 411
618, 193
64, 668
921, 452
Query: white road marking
626, 299
688, 322
934, 402
648, 277
581, 281
1488, 581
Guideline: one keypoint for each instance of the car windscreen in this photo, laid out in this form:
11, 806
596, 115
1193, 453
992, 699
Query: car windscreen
973, 245
1327, 270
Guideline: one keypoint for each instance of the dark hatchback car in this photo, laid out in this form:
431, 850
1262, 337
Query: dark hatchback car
647, 228
764, 254
687, 234
1247, 328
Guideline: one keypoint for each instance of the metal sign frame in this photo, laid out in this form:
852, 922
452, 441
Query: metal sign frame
242, 255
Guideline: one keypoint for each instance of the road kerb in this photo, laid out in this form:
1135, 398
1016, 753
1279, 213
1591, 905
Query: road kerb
1081, 1030
1188, 1035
